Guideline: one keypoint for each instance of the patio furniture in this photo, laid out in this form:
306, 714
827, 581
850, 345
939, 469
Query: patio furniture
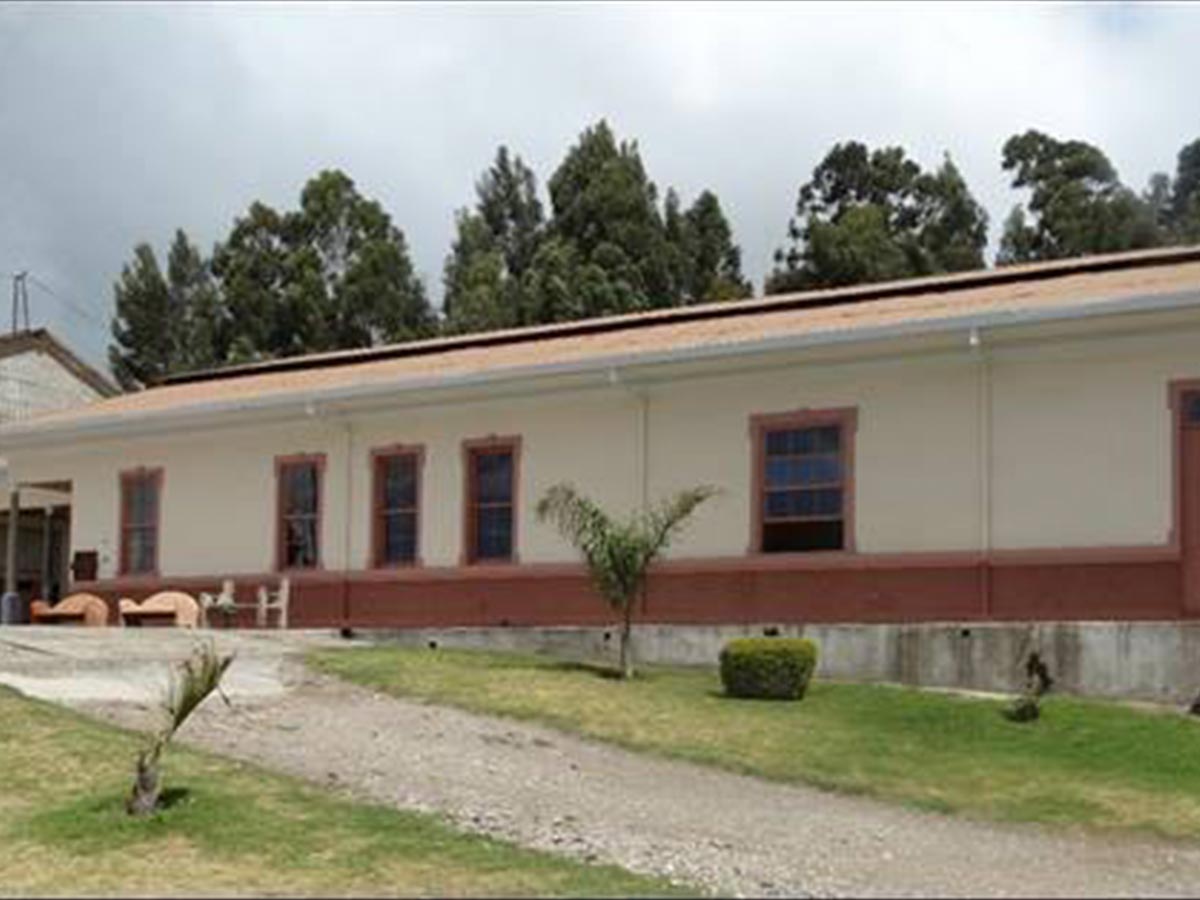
266, 602
166, 608
77, 609
224, 603
273, 600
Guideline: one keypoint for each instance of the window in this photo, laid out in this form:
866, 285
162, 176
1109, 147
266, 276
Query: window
140, 496
491, 500
803, 485
1191, 409
397, 494
299, 526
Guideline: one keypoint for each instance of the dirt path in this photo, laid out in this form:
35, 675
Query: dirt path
729, 834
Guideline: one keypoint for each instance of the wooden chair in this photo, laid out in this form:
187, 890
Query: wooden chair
273, 600
164, 608
77, 609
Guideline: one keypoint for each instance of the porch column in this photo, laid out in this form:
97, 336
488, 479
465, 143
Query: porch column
9, 607
10, 551
47, 527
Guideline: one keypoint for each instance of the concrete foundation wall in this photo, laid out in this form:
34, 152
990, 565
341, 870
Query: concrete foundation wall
1155, 661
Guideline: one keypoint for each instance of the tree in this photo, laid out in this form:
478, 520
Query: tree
334, 274
708, 265
1077, 204
198, 323
605, 207
191, 684
494, 247
618, 554
252, 266
349, 265
869, 215
142, 352
1184, 209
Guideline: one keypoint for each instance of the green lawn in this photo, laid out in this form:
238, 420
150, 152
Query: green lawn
233, 829
1086, 762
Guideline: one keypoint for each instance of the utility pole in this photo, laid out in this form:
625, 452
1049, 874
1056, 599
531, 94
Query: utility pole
20, 300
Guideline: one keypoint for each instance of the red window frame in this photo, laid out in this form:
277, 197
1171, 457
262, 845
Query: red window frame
282, 464
128, 479
472, 450
846, 418
380, 457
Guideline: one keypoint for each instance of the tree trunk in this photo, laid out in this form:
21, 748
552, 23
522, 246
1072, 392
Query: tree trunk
626, 641
143, 798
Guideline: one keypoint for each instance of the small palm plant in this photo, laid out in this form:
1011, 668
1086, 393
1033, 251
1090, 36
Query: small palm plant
618, 554
190, 685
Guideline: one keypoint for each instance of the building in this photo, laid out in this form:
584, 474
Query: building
38, 374
1021, 443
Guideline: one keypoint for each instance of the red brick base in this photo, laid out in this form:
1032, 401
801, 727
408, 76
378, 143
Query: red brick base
1124, 584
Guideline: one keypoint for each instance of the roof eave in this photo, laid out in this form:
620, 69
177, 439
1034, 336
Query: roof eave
34, 434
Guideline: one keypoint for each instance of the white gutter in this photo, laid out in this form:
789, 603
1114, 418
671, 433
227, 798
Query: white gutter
32, 433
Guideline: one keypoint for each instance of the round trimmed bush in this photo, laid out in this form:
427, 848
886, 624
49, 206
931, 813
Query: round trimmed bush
770, 668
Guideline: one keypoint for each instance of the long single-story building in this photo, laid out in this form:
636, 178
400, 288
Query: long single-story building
1018, 443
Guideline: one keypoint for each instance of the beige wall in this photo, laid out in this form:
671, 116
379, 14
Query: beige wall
1080, 450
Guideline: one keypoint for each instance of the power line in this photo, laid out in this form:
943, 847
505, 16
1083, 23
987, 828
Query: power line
71, 305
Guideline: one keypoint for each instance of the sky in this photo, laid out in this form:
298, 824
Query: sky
121, 122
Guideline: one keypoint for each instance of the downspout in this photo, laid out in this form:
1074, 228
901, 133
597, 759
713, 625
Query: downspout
984, 437
642, 399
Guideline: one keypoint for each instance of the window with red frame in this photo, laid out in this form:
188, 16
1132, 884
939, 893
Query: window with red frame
803, 492
492, 484
397, 497
300, 514
139, 521
1191, 409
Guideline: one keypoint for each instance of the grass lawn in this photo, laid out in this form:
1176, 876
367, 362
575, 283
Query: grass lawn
233, 829
1084, 762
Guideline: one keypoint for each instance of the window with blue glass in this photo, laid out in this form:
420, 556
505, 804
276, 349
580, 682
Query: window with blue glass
803, 489
492, 489
397, 496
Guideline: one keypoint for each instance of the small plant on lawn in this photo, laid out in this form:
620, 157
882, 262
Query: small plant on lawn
769, 668
618, 554
190, 685
1027, 707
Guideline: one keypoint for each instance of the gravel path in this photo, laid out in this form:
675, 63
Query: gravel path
729, 834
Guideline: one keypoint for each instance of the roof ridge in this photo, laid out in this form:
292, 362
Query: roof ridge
852, 294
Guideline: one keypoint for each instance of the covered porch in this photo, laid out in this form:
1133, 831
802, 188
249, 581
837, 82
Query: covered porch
35, 528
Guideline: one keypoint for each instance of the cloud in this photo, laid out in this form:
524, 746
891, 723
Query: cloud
123, 123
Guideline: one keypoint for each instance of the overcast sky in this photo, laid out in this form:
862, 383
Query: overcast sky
119, 123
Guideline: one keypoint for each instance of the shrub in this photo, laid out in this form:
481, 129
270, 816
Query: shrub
770, 668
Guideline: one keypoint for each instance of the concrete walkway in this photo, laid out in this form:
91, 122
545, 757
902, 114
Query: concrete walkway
727, 833
131, 665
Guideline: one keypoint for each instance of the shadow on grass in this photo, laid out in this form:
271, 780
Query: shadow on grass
719, 694
600, 670
172, 797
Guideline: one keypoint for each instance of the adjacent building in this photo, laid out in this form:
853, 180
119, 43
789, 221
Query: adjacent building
1020, 443
39, 374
